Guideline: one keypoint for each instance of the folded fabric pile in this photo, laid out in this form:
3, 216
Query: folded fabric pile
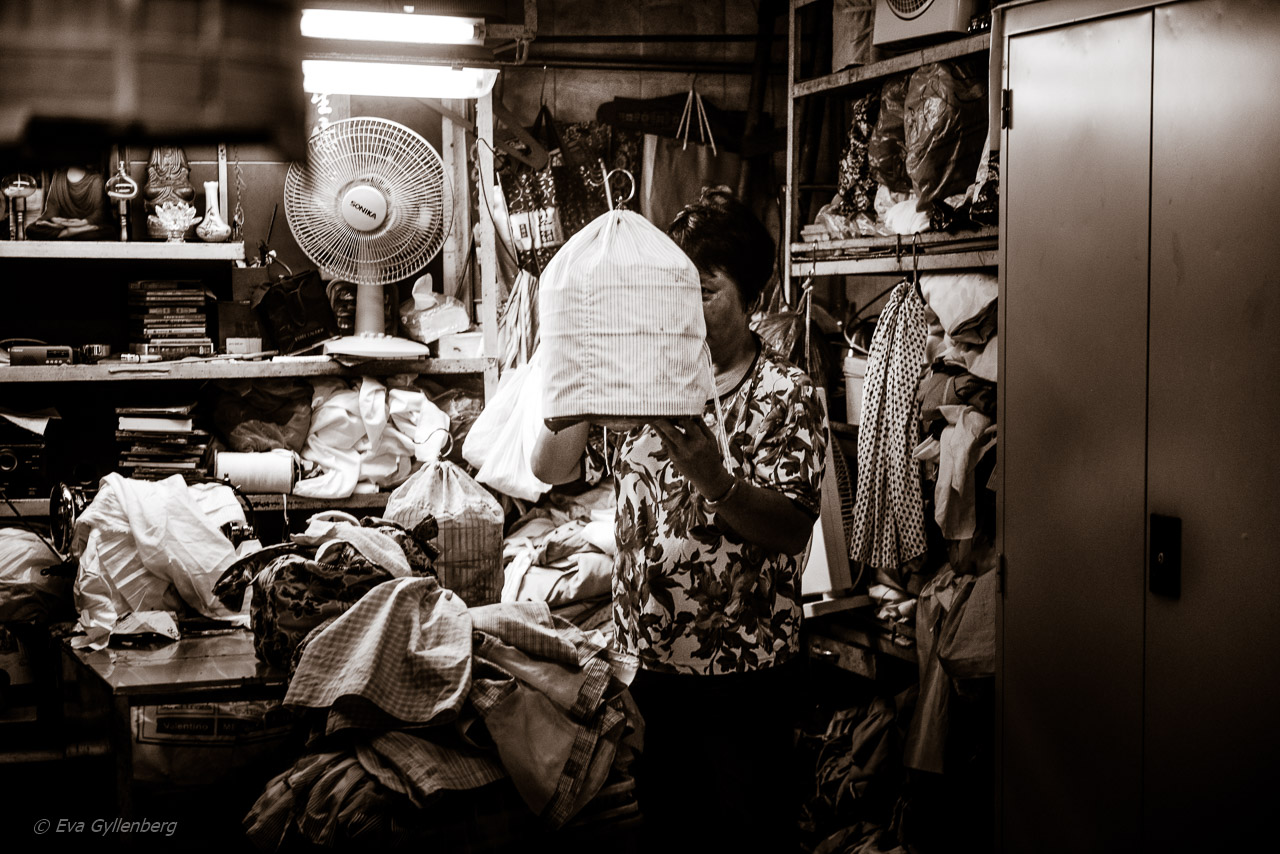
421, 696
957, 394
561, 552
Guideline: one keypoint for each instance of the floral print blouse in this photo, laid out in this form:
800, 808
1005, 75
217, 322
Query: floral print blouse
689, 596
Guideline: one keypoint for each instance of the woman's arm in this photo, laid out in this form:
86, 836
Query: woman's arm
557, 456
758, 514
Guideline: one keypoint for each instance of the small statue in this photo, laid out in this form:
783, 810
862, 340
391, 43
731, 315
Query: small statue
75, 207
167, 181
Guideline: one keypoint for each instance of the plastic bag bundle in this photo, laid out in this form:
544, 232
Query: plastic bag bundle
470, 523
887, 147
946, 127
620, 308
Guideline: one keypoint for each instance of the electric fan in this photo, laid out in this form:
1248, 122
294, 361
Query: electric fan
372, 205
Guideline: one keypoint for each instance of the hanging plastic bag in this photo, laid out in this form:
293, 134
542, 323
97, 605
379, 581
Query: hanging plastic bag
470, 525
500, 444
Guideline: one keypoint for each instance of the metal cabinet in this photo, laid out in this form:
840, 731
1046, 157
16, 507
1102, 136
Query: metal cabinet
1140, 304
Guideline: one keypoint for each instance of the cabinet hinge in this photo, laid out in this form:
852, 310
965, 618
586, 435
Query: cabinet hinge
1001, 572
1006, 108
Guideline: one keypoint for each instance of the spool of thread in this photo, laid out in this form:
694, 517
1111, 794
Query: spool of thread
260, 472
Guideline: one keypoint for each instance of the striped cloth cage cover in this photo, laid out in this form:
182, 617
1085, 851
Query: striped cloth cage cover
620, 312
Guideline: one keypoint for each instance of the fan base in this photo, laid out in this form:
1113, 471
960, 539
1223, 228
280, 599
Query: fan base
377, 347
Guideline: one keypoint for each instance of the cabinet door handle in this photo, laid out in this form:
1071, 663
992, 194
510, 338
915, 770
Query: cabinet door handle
1165, 573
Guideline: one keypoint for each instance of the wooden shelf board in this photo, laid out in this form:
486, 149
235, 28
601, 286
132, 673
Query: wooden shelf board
891, 264
120, 250
235, 369
853, 76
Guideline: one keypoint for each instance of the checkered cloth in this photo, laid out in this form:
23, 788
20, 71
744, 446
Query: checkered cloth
409, 654
404, 649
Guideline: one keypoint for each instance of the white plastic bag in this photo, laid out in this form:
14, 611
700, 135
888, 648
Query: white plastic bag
26, 593
470, 523
500, 444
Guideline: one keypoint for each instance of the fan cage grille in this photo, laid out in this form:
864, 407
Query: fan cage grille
403, 167
908, 9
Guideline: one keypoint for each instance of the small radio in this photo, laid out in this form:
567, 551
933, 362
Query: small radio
40, 354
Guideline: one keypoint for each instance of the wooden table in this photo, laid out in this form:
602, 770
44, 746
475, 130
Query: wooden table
213, 666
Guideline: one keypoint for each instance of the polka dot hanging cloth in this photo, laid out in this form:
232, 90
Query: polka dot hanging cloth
888, 516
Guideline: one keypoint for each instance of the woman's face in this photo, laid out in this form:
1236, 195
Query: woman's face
724, 313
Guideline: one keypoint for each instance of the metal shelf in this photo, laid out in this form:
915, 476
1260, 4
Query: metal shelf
121, 250
39, 507
358, 501
853, 76
870, 255
221, 369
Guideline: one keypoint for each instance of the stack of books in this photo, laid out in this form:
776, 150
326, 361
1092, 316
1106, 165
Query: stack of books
167, 318
160, 441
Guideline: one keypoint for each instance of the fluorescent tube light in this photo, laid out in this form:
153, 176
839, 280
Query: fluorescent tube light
389, 27
335, 77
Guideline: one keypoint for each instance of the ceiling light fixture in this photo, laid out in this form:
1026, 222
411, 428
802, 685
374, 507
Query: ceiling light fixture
381, 53
390, 27
338, 77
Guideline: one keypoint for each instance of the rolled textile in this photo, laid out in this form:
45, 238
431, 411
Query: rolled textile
620, 308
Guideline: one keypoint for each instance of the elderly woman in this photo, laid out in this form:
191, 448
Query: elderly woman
707, 580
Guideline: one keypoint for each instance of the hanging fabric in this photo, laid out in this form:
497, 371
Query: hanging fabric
888, 523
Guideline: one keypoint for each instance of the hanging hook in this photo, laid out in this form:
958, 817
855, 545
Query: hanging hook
606, 175
915, 265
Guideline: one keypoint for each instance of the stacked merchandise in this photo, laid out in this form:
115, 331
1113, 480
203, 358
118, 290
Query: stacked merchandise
157, 442
167, 319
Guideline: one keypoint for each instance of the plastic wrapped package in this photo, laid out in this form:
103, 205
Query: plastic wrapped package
428, 315
263, 414
887, 146
945, 117
985, 208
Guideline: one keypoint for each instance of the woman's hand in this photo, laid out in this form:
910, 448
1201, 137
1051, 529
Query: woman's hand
758, 514
695, 454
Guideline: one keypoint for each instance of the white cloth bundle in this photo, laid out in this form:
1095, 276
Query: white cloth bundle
620, 308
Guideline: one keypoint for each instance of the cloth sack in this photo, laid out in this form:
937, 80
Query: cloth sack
621, 322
